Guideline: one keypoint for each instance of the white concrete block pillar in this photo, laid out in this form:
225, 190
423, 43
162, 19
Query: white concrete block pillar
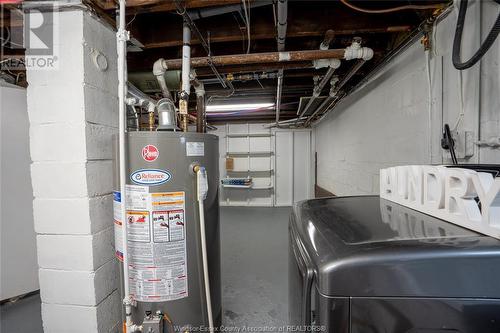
73, 112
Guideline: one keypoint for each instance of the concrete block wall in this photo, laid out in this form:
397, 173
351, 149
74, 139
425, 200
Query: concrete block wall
397, 117
73, 114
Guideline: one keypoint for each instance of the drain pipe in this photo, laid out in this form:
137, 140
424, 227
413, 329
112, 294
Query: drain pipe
186, 70
281, 27
122, 36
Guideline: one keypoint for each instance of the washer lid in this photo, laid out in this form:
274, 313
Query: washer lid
367, 246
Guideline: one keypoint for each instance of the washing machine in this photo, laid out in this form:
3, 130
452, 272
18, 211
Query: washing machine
367, 265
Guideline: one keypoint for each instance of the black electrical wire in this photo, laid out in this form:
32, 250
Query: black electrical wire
457, 42
448, 143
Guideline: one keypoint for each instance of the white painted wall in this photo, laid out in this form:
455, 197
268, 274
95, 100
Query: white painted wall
19, 268
391, 122
291, 164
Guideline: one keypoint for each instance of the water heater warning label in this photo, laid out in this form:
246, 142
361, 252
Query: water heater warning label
156, 245
117, 204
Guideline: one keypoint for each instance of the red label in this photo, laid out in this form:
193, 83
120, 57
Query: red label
150, 153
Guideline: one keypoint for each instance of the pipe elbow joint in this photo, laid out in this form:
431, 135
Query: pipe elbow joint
160, 67
355, 51
366, 53
151, 107
132, 101
334, 63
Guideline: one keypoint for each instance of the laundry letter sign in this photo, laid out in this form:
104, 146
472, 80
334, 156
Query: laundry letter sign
464, 197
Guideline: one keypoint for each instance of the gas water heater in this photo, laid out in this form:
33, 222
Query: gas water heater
163, 222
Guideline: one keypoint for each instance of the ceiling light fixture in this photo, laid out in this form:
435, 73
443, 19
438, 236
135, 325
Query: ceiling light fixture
238, 107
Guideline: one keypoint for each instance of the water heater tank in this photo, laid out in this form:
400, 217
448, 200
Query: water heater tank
165, 261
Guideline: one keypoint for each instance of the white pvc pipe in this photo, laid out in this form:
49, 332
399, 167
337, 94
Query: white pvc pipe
355, 51
122, 37
279, 91
199, 176
186, 57
122, 44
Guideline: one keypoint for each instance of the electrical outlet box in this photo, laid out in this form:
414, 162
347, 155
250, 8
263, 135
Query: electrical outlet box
464, 144
469, 144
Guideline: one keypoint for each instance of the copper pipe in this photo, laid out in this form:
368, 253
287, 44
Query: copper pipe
184, 122
259, 58
151, 121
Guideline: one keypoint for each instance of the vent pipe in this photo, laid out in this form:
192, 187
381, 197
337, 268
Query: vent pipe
159, 69
186, 70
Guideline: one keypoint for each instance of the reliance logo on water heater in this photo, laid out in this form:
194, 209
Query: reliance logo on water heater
150, 153
150, 176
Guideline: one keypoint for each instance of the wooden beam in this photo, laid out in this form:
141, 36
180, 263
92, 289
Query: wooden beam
95, 4
150, 29
223, 37
153, 6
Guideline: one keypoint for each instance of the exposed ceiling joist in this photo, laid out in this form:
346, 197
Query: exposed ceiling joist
235, 36
152, 6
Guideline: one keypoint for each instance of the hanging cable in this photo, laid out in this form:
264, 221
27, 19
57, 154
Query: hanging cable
457, 41
461, 101
390, 10
448, 143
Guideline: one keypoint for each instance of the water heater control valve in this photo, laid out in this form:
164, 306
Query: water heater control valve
152, 323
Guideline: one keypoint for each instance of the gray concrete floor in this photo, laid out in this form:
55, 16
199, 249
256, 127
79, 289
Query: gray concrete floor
21, 316
254, 244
